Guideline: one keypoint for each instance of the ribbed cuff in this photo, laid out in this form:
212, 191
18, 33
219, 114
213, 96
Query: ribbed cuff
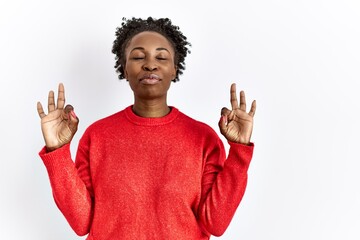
242, 152
55, 159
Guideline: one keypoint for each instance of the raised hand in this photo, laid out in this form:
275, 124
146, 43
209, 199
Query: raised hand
236, 125
60, 124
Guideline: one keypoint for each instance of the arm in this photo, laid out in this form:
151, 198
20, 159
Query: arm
223, 186
69, 183
70, 187
224, 183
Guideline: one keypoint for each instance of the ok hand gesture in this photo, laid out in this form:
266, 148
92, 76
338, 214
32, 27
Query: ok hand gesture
60, 124
236, 125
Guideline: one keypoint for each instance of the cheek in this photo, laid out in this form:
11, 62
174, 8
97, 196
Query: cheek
171, 70
128, 71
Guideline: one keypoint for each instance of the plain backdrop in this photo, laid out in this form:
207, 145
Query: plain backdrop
299, 59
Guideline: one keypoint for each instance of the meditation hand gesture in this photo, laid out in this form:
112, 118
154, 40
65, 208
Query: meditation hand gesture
60, 124
236, 125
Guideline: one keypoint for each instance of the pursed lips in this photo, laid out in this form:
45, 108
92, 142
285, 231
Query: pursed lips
149, 79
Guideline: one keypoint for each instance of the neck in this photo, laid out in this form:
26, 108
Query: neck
150, 109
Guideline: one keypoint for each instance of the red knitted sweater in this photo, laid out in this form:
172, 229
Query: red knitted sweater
148, 178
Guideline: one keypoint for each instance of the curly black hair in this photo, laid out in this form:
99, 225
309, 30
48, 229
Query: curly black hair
130, 27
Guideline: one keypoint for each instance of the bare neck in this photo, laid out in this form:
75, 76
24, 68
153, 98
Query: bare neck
150, 109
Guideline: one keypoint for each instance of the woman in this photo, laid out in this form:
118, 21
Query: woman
148, 171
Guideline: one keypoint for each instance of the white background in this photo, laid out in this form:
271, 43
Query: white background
299, 59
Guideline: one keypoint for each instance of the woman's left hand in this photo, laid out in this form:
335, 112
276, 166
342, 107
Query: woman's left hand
236, 125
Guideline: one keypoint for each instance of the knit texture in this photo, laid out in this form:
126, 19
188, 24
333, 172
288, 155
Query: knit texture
148, 178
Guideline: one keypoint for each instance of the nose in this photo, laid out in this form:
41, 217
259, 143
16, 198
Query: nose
150, 65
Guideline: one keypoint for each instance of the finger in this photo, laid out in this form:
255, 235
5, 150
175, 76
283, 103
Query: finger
233, 98
61, 96
225, 111
253, 108
66, 112
242, 101
68, 109
40, 110
51, 102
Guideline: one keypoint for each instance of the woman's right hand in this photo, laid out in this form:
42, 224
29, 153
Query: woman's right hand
60, 124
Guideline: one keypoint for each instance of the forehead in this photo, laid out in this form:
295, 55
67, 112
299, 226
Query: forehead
147, 40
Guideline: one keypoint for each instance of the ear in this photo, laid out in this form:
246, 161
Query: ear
125, 72
174, 72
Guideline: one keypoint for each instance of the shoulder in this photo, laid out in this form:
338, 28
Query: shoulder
197, 126
105, 123
203, 135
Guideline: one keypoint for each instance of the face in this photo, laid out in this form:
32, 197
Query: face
149, 66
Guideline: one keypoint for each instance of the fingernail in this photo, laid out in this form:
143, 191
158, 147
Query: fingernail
73, 114
224, 119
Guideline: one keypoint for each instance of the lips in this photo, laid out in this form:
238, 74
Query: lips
150, 79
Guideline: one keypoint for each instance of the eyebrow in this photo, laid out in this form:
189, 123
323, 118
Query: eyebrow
157, 49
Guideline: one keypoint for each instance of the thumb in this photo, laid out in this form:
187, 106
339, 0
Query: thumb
223, 120
223, 124
74, 122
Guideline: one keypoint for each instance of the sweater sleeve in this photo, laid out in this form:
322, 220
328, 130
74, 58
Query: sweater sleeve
71, 195
223, 186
